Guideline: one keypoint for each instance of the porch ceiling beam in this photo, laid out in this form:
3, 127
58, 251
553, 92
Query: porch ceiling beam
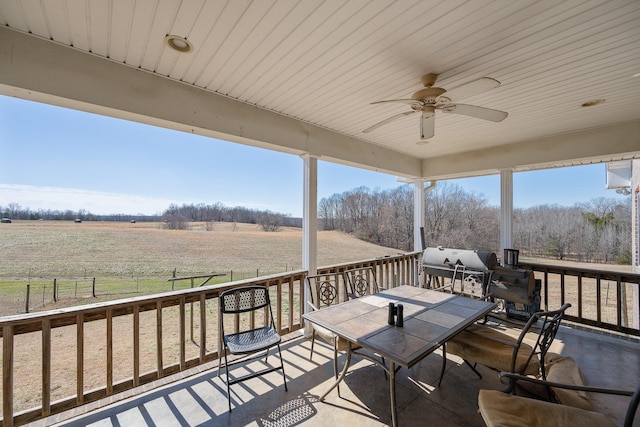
609, 143
43, 71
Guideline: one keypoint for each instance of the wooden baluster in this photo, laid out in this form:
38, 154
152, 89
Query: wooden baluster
580, 296
159, 361
136, 345
562, 288
203, 327
598, 298
183, 334
279, 305
7, 375
546, 290
109, 320
619, 301
80, 359
290, 282
46, 367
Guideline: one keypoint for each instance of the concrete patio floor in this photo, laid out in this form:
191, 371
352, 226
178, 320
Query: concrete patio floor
198, 397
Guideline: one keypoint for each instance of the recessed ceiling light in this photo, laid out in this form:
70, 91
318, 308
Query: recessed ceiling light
593, 102
178, 43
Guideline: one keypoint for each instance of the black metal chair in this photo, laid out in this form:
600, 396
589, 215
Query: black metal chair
245, 300
362, 281
501, 409
500, 351
324, 292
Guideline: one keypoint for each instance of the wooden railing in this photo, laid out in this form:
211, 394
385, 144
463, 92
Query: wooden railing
602, 298
390, 271
118, 345
90, 352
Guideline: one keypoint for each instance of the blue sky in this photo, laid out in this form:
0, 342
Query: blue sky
57, 158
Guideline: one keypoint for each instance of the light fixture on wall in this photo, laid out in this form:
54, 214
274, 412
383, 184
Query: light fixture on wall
178, 43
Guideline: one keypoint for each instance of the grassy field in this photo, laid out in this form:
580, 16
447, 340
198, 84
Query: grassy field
129, 257
139, 257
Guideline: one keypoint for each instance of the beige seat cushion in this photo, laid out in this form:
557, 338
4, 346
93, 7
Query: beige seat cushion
499, 409
477, 344
328, 336
565, 370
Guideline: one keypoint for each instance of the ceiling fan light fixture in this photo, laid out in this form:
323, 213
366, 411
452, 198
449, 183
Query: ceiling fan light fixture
178, 43
428, 111
593, 102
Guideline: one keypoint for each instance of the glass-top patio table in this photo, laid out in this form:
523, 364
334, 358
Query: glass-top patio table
430, 319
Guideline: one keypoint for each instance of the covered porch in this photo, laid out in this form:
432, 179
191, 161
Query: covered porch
197, 397
300, 80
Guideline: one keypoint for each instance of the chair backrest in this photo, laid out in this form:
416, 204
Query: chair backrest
323, 290
632, 409
362, 281
548, 322
241, 300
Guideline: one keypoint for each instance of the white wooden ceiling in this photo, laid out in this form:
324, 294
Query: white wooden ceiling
324, 62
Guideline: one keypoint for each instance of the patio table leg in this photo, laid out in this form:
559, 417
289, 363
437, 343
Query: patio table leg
392, 393
342, 374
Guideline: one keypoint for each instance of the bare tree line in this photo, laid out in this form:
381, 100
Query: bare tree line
16, 211
174, 217
177, 217
596, 231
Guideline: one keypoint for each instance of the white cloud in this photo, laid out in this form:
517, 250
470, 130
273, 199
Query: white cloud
60, 198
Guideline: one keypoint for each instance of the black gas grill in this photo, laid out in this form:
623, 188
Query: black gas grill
469, 271
477, 273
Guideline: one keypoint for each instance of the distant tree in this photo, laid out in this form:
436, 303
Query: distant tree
174, 219
555, 247
13, 210
270, 221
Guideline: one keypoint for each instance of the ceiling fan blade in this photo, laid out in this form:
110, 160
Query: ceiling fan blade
404, 101
475, 111
475, 87
387, 120
427, 126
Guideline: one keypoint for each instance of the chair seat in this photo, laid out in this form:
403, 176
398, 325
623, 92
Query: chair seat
251, 341
328, 336
499, 409
476, 344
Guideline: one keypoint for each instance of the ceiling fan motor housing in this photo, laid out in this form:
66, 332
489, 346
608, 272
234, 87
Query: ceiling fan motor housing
428, 95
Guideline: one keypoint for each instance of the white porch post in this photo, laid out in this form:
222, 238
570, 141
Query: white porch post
310, 222
418, 214
506, 210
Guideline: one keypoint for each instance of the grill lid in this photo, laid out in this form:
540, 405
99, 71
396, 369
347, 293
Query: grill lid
449, 258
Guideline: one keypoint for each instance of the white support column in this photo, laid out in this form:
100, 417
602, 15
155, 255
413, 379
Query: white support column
418, 214
506, 210
310, 221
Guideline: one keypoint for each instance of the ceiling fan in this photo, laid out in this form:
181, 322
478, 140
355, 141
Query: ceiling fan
426, 101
